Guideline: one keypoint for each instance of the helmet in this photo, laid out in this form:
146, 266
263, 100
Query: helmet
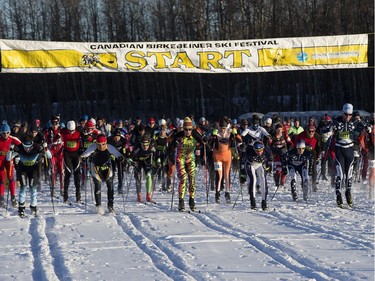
301, 144
348, 108
258, 146
71, 125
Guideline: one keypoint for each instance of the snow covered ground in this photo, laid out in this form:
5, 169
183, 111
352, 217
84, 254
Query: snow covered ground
291, 241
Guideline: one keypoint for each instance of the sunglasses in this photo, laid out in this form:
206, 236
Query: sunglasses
187, 130
311, 131
347, 114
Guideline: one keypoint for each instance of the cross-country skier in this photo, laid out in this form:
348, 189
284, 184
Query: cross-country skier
6, 163
99, 155
299, 161
257, 162
185, 143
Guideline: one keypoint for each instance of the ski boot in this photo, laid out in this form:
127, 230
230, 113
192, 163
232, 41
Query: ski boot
111, 209
264, 205
181, 205
217, 197
339, 200
139, 197
348, 196
33, 210
21, 210
253, 204
14, 201
2, 202
227, 197
148, 197
192, 204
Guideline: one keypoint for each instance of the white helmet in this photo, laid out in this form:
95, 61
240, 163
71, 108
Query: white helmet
348, 108
268, 121
71, 125
301, 144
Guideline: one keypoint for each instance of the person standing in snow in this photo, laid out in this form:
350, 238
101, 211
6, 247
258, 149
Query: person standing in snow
221, 140
142, 159
185, 144
30, 154
99, 155
257, 162
299, 161
6, 164
343, 140
72, 144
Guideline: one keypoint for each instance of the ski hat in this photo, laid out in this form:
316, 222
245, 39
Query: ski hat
71, 125
301, 144
258, 146
55, 118
117, 132
145, 139
101, 139
268, 121
90, 124
348, 108
5, 128
152, 120
188, 124
202, 119
162, 122
92, 120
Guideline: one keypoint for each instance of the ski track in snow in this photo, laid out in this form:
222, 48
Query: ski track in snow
167, 261
172, 260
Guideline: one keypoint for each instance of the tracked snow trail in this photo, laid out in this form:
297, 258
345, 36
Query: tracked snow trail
296, 241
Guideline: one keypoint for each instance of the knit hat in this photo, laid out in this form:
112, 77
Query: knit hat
348, 108
188, 123
5, 128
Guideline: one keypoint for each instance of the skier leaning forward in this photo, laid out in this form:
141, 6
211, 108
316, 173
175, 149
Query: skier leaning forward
30, 154
185, 142
100, 154
257, 159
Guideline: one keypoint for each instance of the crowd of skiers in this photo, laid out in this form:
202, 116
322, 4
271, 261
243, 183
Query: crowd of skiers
91, 148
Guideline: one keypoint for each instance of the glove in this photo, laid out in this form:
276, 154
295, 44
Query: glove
158, 163
112, 157
234, 131
242, 178
214, 132
44, 144
317, 162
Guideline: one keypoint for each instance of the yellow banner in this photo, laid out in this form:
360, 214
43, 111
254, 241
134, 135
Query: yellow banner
258, 55
313, 56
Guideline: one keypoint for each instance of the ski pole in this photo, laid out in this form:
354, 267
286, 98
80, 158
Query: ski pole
205, 170
238, 195
122, 193
128, 187
273, 196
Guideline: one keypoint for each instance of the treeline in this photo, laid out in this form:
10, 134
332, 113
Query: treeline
124, 95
